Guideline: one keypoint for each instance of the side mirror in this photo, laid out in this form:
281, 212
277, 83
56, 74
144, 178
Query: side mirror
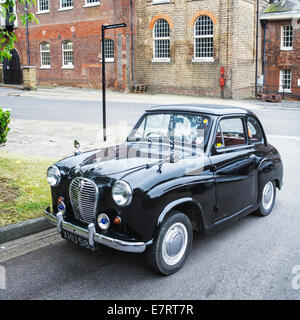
77, 148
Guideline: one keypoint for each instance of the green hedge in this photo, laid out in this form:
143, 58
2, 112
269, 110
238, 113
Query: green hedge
4, 121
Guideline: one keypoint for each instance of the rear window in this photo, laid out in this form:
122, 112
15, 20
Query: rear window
254, 131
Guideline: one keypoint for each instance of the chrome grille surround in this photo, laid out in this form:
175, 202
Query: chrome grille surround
84, 198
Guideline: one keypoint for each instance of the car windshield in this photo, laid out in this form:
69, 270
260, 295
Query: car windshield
176, 128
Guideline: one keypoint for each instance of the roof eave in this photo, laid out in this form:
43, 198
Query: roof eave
288, 15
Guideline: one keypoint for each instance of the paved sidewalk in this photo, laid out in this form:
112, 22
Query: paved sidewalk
19, 247
72, 93
54, 140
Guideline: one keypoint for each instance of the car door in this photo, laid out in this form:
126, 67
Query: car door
232, 161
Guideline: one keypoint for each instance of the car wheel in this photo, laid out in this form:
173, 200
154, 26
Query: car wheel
171, 247
267, 199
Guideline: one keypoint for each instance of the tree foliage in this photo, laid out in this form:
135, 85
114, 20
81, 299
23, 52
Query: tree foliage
7, 37
4, 121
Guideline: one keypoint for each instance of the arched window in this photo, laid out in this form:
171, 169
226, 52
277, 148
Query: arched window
67, 54
204, 39
161, 40
109, 50
45, 55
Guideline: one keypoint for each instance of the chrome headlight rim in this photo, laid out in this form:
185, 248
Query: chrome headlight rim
56, 174
125, 187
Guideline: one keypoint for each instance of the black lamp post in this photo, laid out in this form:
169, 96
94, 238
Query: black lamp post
105, 27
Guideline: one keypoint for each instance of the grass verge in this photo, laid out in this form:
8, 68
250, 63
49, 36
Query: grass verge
24, 191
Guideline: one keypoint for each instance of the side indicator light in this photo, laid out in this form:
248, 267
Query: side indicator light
117, 220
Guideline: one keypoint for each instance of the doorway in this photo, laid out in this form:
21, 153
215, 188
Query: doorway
12, 69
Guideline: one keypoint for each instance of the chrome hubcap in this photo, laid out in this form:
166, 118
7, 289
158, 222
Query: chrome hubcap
174, 243
268, 195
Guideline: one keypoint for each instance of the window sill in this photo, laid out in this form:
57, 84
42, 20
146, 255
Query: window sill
285, 90
67, 67
107, 60
42, 12
65, 9
45, 67
160, 2
203, 60
287, 49
95, 4
163, 60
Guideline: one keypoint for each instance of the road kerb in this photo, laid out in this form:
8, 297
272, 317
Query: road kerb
23, 229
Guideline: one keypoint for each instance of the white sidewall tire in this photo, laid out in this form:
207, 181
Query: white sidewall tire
268, 197
176, 228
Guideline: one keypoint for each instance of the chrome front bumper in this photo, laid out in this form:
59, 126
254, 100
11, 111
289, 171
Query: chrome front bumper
92, 236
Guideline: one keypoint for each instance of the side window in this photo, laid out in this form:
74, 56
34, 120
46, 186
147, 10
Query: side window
254, 131
230, 133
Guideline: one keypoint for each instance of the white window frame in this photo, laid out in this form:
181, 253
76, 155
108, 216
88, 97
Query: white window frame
281, 77
61, 8
159, 59
45, 66
206, 36
67, 66
108, 59
91, 4
283, 36
42, 11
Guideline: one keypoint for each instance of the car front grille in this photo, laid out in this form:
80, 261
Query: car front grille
84, 196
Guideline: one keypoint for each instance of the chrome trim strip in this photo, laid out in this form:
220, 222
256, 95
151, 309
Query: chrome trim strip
91, 235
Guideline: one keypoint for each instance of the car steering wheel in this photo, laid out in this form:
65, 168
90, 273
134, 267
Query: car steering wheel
154, 132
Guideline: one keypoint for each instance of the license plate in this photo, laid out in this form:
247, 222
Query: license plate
78, 240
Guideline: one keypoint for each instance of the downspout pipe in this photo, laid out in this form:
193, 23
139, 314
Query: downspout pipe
256, 58
264, 22
27, 34
131, 38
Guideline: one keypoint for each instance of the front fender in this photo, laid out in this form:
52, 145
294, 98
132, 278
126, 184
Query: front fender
188, 206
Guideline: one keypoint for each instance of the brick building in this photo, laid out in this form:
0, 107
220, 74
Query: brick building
182, 44
66, 44
281, 63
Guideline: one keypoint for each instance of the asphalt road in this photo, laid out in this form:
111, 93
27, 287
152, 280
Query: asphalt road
70, 110
251, 259
283, 121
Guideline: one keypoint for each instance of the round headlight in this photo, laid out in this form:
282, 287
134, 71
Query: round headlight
53, 176
122, 193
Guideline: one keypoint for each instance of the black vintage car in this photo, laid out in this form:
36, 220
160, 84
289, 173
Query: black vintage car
182, 168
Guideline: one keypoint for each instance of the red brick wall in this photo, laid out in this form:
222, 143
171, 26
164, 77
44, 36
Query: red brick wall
277, 59
82, 26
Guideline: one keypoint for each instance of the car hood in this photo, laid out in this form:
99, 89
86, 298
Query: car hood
119, 161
